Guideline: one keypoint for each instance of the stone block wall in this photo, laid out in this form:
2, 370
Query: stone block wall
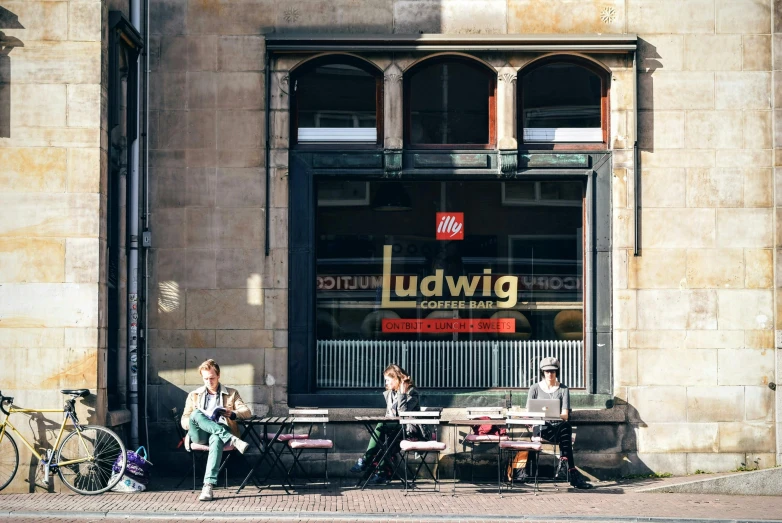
52, 153
694, 316
694, 346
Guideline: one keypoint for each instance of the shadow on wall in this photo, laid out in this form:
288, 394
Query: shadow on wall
341, 16
648, 63
163, 435
42, 432
607, 447
8, 20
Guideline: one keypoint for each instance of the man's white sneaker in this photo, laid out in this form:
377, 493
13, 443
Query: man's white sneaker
239, 445
206, 493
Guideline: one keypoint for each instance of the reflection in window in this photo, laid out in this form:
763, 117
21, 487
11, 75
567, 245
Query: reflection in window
466, 313
336, 103
561, 102
542, 193
450, 103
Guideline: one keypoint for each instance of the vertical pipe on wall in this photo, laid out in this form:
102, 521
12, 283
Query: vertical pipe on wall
266, 77
636, 162
145, 81
133, 243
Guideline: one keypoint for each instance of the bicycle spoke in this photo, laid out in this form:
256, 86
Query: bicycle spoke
9, 460
99, 448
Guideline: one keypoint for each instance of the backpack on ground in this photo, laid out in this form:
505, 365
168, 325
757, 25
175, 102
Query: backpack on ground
516, 470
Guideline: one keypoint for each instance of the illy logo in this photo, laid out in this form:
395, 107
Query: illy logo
450, 226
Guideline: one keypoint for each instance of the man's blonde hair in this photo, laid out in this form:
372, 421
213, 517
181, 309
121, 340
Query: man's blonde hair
209, 364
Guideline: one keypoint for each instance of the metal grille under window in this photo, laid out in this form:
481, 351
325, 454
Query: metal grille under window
446, 364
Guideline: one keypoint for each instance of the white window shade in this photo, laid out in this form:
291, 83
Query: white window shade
337, 134
563, 134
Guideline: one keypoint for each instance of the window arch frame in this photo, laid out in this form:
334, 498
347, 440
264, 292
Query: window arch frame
603, 75
309, 66
473, 62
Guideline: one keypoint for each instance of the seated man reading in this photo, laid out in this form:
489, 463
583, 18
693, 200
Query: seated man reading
209, 419
561, 432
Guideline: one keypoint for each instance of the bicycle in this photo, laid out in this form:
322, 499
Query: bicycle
84, 458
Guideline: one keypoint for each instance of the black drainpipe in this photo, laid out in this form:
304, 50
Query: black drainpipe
266, 103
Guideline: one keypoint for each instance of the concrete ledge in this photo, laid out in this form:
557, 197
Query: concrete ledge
115, 418
766, 482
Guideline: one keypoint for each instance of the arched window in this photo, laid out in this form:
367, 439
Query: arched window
336, 99
563, 101
450, 101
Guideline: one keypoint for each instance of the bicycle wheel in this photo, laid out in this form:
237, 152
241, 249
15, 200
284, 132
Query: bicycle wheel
96, 449
9, 460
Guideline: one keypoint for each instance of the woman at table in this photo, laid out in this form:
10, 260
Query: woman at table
561, 432
401, 396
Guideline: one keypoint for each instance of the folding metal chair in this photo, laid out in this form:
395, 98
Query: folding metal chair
515, 420
474, 440
198, 453
424, 448
298, 445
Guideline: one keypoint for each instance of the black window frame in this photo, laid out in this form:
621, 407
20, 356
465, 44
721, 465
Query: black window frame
480, 68
306, 167
605, 103
335, 59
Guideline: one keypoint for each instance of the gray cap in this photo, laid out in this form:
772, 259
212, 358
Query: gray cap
549, 363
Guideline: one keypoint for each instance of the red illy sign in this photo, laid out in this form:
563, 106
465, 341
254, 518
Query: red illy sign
450, 226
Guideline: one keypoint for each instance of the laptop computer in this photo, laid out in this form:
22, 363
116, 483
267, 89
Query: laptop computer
551, 409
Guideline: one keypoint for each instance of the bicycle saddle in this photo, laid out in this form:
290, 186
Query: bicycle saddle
80, 393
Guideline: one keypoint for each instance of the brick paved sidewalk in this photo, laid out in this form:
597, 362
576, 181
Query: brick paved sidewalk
341, 502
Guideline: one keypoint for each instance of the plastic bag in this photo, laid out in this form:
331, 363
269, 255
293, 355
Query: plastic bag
128, 485
138, 467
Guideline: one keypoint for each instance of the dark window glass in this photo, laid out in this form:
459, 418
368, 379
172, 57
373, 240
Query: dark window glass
561, 95
336, 95
450, 104
457, 313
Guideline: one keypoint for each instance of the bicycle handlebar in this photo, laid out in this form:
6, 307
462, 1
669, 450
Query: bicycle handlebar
3, 401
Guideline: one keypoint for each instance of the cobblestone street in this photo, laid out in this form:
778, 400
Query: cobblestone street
609, 501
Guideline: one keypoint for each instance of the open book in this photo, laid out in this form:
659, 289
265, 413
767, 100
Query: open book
217, 413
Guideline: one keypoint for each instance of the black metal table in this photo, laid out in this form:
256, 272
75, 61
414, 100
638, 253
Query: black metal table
385, 447
456, 423
265, 446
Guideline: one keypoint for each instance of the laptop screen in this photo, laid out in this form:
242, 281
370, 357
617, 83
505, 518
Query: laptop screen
551, 407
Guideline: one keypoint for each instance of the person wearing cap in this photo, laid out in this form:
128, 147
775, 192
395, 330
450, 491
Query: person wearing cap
561, 432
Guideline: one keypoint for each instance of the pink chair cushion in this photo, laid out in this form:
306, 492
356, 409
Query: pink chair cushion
311, 444
485, 438
521, 445
197, 446
423, 446
287, 437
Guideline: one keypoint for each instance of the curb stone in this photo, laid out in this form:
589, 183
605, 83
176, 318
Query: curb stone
344, 516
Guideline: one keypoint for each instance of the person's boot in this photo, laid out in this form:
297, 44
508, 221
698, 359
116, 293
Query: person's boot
378, 479
577, 480
360, 466
206, 493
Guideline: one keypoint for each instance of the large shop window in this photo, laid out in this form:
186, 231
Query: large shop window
450, 102
337, 102
465, 284
563, 101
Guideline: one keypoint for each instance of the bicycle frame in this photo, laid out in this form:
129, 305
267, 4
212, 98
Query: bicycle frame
68, 416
